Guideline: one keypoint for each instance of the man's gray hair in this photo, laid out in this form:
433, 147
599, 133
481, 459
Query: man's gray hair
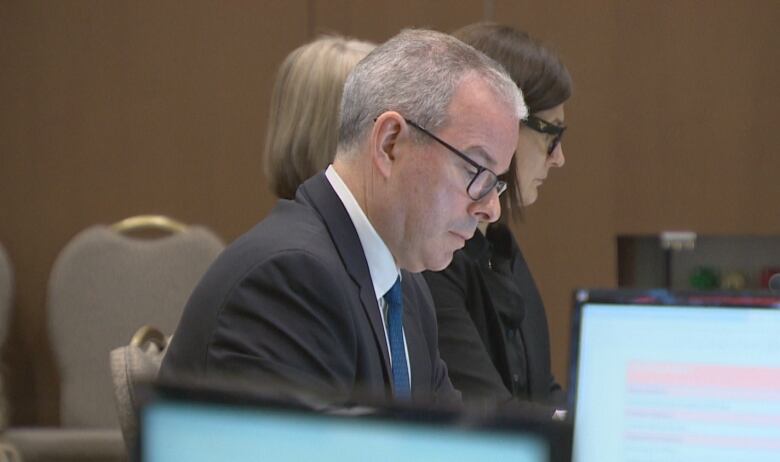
416, 73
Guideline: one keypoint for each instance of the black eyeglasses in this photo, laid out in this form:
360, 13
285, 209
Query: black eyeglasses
484, 181
542, 126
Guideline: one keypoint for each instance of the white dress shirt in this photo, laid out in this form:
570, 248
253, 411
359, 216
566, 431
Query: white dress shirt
381, 264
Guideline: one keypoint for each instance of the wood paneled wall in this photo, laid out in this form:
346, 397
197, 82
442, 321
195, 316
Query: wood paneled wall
110, 109
670, 128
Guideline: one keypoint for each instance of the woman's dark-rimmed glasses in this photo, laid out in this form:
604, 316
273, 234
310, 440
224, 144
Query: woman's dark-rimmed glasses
542, 126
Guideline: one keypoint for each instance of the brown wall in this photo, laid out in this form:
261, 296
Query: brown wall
671, 128
110, 109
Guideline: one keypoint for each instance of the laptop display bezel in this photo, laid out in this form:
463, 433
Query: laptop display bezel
651, 297
558, 435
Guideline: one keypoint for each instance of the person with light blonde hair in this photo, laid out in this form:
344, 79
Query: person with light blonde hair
303, 119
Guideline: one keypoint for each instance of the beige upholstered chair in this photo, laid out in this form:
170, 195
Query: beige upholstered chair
8, 452
132, 365
103, 285
6, 304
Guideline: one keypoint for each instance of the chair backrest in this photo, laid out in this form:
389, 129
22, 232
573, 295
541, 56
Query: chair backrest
6, 292
104, 285
131, 365
9, 453
6, 304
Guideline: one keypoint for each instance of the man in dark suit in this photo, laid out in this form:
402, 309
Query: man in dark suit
322, 295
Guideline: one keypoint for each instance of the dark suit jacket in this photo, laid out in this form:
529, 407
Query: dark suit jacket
292, 301
492, 324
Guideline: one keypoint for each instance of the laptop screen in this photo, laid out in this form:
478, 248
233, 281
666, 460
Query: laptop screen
661, 376
206, 430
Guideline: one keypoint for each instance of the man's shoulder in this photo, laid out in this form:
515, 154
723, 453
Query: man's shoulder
291, 224
291, 229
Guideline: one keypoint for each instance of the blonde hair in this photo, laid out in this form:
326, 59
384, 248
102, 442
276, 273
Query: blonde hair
303, 119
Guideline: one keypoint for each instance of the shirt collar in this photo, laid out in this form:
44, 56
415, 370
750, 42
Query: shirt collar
381, 264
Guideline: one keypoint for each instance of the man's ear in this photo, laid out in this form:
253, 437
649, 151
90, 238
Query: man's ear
384, 141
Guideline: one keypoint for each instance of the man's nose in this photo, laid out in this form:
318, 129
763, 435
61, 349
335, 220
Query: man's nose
488, 209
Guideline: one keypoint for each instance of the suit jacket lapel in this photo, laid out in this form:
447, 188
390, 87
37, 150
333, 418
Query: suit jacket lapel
419, 365
318, 193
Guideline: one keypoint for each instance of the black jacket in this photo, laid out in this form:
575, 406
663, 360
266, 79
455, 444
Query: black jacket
292, 301
493, 331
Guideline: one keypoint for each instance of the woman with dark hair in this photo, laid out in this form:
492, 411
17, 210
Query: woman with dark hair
493, 331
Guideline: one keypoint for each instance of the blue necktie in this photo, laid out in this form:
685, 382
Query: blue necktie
395, 332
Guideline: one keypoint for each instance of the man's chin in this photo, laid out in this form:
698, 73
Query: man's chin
429, 262
440, 264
